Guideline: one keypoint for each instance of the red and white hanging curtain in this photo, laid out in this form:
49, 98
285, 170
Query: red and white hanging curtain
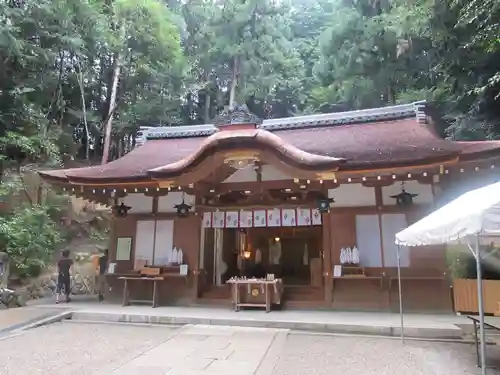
273, 217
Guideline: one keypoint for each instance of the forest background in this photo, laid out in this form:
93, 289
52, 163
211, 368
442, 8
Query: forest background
79, 77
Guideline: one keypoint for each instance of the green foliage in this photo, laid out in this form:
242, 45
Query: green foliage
28, 231
458, 257
181, 59
98, 235
462, 263
30, 237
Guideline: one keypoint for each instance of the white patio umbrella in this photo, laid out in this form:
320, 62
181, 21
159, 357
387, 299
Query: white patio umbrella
469, 217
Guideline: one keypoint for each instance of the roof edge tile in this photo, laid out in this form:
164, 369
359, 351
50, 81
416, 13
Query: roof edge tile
415, 109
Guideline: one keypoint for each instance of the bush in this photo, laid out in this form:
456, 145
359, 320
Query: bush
463, 264
30, 236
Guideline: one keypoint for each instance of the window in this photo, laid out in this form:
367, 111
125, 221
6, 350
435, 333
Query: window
368, 240
145, 241
154, 241
164, 241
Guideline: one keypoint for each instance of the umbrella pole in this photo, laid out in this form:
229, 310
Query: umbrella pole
477, 255
400, 296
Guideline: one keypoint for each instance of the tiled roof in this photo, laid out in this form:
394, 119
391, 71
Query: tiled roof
299, 122
136, 163
369, 139
376, 143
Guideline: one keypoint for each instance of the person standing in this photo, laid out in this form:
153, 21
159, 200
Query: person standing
101, 277
64, 276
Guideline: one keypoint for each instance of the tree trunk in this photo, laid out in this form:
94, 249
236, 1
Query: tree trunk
121, 146
206, 116
391, 95
112, 105
84, 110
234, 83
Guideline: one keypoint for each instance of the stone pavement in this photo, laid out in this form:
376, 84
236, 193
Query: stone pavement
204, 350
379, 323
72, 348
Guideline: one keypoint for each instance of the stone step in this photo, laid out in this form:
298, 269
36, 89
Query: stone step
237, 319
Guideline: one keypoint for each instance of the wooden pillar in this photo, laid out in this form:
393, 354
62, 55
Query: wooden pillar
379, 202
327, 258
154, 208
112, 239
196, 261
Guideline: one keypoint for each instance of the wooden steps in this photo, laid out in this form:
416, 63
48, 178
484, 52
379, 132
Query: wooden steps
304, 293
217, 292
294, 296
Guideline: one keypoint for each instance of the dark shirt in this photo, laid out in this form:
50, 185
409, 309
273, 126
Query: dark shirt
64, 265
103, 263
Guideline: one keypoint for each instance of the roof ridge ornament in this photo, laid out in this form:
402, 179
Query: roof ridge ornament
237, 115
420, 107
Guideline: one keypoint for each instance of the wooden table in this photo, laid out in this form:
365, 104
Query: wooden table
475, 321
272, 290
126, 293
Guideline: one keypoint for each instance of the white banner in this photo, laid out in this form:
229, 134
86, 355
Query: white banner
316, 217
246, 219
288, 217
218, 219
303, 216
273, 217
260, 218
207, 220
232, 220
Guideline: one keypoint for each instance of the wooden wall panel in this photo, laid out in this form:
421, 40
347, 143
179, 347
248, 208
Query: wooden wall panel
359, 294
187, 237
465, 295
422, 295
122, 228
342, 233
431, 257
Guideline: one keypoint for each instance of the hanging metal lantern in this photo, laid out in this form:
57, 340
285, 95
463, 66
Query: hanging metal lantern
323, 204
404, 198
183, 209
121, 210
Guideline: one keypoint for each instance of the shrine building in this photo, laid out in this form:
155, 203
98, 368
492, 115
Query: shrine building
288, 195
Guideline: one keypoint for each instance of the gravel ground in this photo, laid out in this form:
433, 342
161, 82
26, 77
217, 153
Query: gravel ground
98, 349
320, 355
76, 349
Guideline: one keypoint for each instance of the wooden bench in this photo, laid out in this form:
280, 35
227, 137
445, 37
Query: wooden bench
475, 321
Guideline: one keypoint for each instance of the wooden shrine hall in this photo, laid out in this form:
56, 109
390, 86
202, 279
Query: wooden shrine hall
301, 210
